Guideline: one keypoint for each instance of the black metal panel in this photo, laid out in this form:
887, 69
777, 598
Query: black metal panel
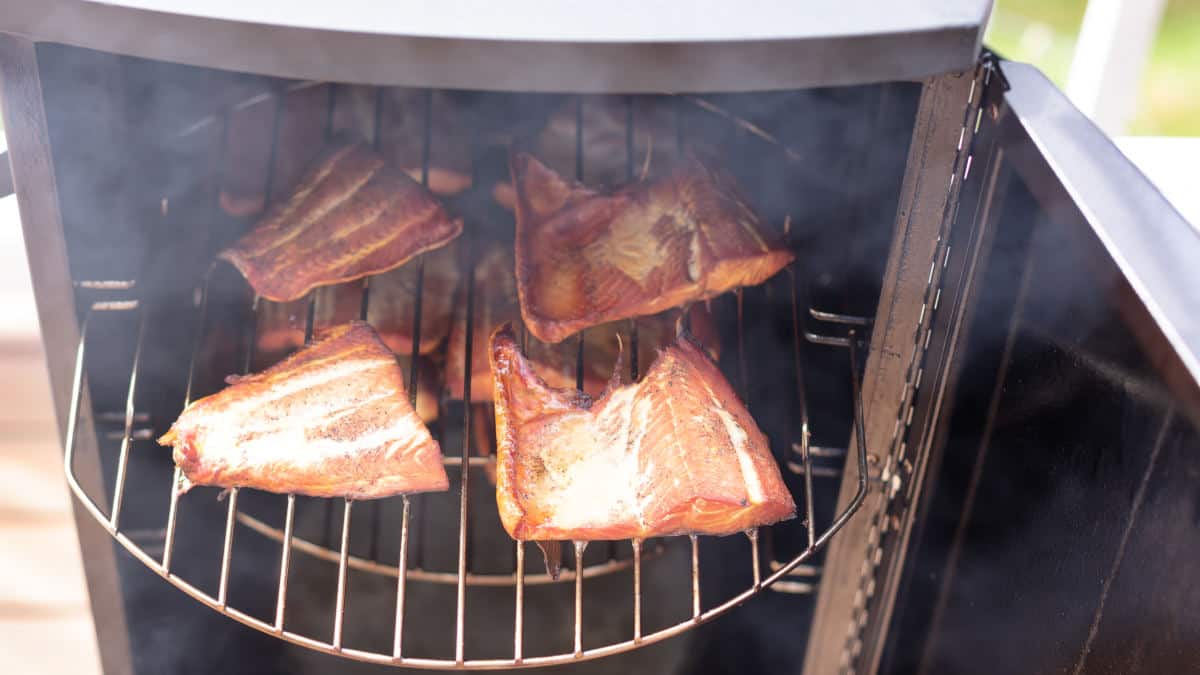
1078, 173
1055, 537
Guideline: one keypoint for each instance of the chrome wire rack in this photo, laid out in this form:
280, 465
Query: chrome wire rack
122, 298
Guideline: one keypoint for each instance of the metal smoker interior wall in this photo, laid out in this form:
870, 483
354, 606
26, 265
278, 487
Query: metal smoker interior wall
111, 124
1060, 534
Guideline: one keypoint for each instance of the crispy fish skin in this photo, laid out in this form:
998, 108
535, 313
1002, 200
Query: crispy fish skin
350, 216
672, 454
584, 257
332, 420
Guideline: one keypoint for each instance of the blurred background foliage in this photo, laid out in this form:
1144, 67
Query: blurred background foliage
1043, 32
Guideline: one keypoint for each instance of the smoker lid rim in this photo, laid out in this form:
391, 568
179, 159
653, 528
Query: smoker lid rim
714, 46
619, 21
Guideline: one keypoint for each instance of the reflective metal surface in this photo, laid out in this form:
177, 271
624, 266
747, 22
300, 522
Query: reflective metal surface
1153, 246
532, 45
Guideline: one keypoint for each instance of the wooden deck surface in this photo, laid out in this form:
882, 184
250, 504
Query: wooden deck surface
45, 622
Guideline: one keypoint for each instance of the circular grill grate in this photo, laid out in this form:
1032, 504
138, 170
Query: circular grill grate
400, 568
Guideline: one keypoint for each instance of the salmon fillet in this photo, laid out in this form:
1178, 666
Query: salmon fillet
674, 453
332, 420
350, 216
389, 310
584, 257
496, 304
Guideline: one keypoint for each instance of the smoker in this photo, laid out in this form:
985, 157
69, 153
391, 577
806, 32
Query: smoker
980, 376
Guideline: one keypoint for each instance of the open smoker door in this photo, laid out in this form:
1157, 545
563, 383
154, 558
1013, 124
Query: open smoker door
1054, 525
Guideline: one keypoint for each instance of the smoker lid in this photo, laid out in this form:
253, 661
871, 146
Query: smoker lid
542, 45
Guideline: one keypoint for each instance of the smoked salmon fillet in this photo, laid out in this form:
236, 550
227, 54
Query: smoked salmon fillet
585, 257
496, 304
332, 420
672, 454
350, 216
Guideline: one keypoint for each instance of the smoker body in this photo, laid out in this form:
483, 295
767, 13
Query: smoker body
1021, 302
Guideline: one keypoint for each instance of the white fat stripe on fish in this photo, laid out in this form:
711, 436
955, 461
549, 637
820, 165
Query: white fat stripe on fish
293, 384
600, 472
740, 441
694, 253
318, 412
640, 407
320, 210
239, 433
225, 446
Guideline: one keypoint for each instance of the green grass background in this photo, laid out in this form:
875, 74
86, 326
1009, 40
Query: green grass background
1043, 32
